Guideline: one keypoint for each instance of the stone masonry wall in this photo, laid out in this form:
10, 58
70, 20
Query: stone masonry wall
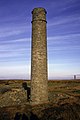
39, 90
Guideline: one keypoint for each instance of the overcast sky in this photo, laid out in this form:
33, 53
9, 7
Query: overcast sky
63, 37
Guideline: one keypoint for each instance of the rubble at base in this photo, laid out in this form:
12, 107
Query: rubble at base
13, 97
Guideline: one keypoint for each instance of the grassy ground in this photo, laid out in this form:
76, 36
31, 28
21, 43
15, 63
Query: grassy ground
64, 101
57, 89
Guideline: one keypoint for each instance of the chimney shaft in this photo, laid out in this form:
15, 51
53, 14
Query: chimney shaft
39, 74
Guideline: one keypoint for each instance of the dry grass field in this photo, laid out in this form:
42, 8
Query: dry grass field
64, 101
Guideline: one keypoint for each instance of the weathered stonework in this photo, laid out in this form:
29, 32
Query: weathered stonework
39, 78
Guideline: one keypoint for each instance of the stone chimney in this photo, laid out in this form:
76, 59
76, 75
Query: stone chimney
39, 74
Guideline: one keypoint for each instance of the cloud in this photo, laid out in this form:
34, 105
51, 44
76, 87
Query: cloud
15, 72
15, 50
64, 42
60, 37
12, 41
15, 56
60, 20
10, 33
6, 31
62, 70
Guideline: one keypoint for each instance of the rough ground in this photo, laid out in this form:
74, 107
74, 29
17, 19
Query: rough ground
64, 102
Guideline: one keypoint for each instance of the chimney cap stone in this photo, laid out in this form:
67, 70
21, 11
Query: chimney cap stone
38, 9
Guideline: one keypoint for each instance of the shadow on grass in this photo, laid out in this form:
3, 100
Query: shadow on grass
60, 111
24, 116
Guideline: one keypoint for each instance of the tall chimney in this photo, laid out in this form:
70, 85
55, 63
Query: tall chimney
39, 75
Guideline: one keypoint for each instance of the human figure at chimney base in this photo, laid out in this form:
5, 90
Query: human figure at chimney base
25, 86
